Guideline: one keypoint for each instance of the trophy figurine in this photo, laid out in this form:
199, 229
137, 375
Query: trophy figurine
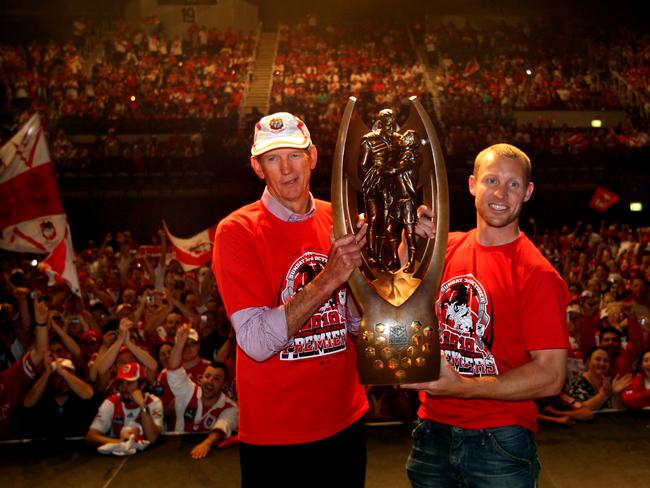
392, 173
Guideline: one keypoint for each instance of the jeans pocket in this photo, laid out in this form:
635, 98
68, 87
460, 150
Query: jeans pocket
421, 430
513, 443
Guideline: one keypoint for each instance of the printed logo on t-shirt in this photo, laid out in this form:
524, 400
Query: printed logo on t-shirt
465, 329
325, 333
208, 421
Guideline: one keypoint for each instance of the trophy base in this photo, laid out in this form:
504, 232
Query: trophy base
395, 353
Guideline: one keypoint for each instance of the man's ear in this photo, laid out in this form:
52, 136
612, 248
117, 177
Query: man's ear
313, 153
257, 167
471, 181
529, 191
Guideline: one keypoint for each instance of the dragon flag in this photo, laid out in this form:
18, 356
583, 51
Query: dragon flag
32, 218
194, 251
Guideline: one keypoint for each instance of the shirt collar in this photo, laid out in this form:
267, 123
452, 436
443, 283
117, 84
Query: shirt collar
282, 212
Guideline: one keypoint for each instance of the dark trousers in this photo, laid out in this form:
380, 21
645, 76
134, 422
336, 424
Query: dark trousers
338, 461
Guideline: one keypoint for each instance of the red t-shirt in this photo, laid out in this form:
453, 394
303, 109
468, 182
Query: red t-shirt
14, 382
310, 390
496, 304
636, 395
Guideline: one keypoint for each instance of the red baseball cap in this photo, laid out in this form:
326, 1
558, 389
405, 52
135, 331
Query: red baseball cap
130, 372
91, 335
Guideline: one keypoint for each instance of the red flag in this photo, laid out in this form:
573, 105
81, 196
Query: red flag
32, 218
471, 67
194, 251
603, 199
59, 265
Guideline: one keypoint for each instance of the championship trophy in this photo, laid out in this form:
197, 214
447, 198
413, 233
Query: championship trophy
392, 173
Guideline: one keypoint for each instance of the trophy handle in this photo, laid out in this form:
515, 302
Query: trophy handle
342, 214
435, 249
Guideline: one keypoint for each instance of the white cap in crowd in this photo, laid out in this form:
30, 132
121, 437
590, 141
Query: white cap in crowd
193, 335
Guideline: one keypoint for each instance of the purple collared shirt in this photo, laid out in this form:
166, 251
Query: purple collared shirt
263, 331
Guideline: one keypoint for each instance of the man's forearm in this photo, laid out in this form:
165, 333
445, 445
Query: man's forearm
34, 395
96, 438
150, 428
69, 343
176, 355
79, 387
303, 304
543, 376
41, 345
535, 379
25, 321
142, 356
214, 437
104, 361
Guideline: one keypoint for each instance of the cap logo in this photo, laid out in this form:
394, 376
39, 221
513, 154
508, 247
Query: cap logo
276, 124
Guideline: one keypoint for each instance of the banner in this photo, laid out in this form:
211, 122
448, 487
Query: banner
60, 267
194, 251
603, 199
32, 218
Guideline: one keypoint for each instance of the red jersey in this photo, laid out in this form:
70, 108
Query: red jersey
14, 382
637, 395
310, 390
496, 305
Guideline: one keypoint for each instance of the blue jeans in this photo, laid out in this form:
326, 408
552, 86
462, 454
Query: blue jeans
446, 456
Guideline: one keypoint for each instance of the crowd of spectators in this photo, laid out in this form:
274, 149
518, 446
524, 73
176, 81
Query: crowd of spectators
133, 154
110, 81
125, 78
545, 138
119, 340
483, 74
608, 272
145, 325
113, 145
528, 66
628, 54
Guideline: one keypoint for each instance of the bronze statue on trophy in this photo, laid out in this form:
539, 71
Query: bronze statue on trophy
378, 150
389, 162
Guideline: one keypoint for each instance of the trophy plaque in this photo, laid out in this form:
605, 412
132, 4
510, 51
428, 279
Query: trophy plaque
387, 174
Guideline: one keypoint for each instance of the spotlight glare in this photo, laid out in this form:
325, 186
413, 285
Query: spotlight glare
636, 207
596, 123
133, 98
34, 262
529, 72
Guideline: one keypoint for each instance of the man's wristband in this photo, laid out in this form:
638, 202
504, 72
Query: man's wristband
41, 325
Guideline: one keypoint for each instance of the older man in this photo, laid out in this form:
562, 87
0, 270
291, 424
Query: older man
282, 280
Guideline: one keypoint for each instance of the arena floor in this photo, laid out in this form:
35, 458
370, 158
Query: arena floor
612, 451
